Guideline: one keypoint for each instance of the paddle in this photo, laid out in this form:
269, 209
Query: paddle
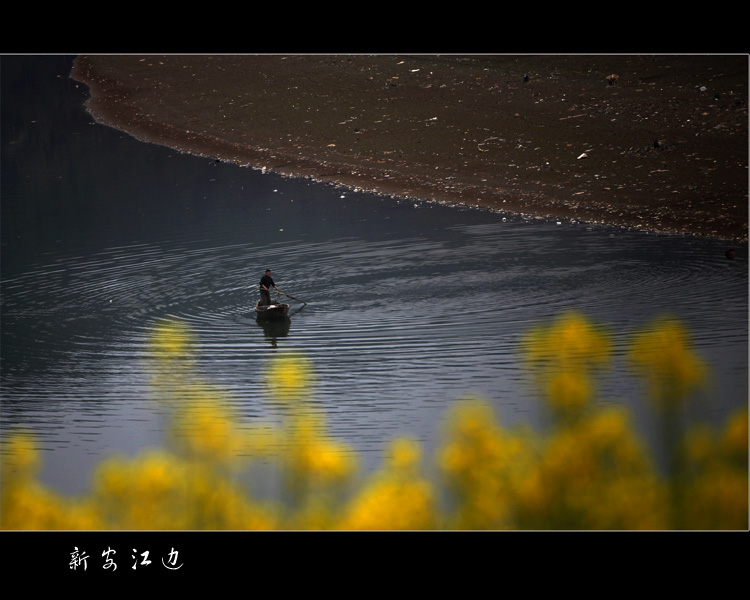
292, 297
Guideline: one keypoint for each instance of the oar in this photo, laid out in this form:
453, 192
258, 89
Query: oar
292, 297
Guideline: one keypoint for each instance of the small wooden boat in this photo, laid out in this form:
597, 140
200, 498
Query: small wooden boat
271, 311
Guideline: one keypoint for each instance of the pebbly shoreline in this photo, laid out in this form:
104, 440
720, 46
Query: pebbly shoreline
653, 142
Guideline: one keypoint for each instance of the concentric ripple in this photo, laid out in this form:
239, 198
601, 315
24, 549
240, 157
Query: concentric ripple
396, 327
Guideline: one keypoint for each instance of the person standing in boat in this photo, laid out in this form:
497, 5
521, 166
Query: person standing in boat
266, 283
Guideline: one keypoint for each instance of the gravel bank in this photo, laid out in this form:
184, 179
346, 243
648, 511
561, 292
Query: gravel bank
654, 142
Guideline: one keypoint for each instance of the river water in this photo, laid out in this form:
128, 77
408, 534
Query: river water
408, 306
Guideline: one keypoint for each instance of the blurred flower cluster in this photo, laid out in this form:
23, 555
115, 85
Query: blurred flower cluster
587, 468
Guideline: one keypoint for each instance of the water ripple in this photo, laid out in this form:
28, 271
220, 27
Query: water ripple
396, 328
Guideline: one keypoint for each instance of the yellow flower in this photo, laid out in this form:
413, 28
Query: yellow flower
404, 456
563, 355
597, 475
314, 466
485, 467
20, 457
569, 390
716, 493
206, 429
662, 355
289, 376
171, 346
735, 440
27, 504
570, 341
390, 504
590, 472
396, 498
149, 491
172, 339
321, 460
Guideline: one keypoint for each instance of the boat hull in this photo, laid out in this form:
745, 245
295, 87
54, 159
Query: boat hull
272, 311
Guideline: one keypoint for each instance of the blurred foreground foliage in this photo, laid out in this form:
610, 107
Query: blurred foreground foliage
587, 469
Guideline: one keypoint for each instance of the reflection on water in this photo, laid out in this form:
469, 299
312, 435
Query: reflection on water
275, 328
407, 306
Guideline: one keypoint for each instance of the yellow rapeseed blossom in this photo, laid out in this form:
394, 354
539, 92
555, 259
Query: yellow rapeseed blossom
484, 467
716, 494
172, 340
20, 455
735, 439
218, 503
570, 340
563, 355
392, 505
149, 491
661, 354
27, 504
31, 506
589, 472
596, 474
171, 347
157, 490
313, 455
289, 377
325, 459
404, 456
569, 390
315, 471
397, 497
207, 430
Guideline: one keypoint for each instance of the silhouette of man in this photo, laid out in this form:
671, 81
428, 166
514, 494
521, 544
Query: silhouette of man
266, 283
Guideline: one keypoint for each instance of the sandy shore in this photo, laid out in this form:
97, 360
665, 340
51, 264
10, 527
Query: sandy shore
651, 142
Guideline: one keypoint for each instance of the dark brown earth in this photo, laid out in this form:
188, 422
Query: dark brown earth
654, 142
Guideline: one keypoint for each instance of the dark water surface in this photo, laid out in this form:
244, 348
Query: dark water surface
408, 306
